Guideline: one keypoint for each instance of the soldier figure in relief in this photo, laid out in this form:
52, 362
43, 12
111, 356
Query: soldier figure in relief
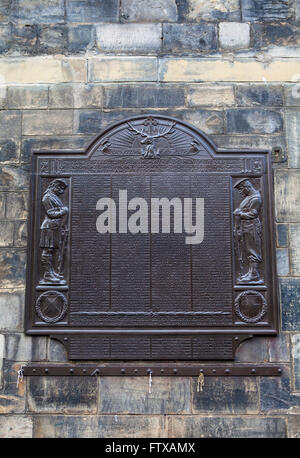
247, 231
53, 233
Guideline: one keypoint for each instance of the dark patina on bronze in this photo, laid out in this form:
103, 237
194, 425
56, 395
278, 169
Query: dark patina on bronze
151, 296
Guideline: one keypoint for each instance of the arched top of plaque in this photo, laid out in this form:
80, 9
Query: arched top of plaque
151, 137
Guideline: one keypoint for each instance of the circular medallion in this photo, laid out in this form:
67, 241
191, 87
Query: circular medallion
250, 306
51, 306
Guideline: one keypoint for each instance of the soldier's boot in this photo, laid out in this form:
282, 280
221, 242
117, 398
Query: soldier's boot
252, 274
59, 277
254, 271
47, 263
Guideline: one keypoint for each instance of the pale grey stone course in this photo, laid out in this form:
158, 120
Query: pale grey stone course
296, 361
287, 195
129, 37
293, 137
16, 427
25, 348
282, 256
6, 233
234, 35
295, 249
11, 311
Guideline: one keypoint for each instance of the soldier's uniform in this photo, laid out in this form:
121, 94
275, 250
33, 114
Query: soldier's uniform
250, 232
51, 230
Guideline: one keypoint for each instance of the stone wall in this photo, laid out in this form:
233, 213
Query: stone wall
68, 69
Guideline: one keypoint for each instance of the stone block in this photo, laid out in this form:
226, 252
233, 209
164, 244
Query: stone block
69, 395
43, 70
118, 69
5, 38
297, 9
199, 10
292, 118
234, 35
80, 38
253, 120
27, 97
276, 396
249, 141
24, 39
187, 38
279, 348
9, 150
144, 96
16, 427
92, 11
24, 348
35, 12
214, 70
287, 195
11, 311
290, 296
61, 142
20, 234
292, 93
149, 10
2, 204
282, 235
296, 360
56, 351
10, 122
259, 95
132, 38
42, 122
13, 264
210, 121
295, 249
196, 426
279, 34
294, 427
252, 351
76, 96
4, 10
88, 122
91, 121
14, 177
6, 233
105, 426
268, 10
283, 265
3, 94
53, 40
12, 397
214, 95
2, 356
226, 395
131, 395
17, 205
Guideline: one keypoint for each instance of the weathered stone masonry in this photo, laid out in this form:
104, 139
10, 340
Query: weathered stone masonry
68, 69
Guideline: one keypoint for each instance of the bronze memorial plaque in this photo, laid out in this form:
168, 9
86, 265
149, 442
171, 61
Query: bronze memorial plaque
153, 244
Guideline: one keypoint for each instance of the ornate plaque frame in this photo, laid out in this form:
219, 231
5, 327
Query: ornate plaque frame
151, 296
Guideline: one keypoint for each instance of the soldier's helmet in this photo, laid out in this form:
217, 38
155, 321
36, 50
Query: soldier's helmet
58, 181
241, 183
